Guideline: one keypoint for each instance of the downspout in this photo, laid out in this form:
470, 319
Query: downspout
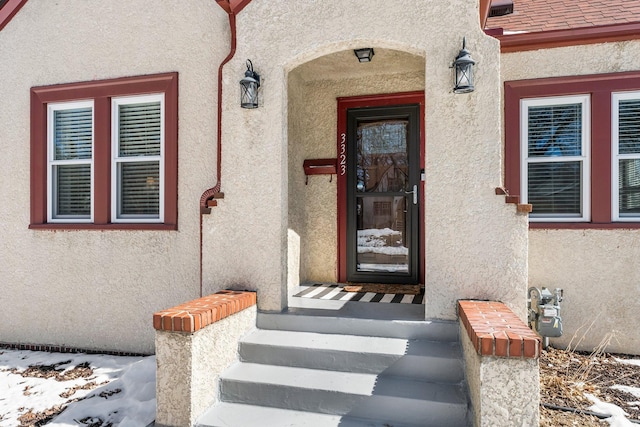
208, 198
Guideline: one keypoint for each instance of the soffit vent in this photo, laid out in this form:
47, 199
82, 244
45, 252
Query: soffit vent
501, 8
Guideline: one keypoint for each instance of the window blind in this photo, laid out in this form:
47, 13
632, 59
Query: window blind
139, 129
72, 140
555, 130
629, 126
554, 169
140, 184
629, 168
73, 190
73, 133
554, 188
139, 158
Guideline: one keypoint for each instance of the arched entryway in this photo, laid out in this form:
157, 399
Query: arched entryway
317, 202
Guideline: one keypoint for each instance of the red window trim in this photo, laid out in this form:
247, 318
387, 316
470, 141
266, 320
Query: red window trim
101, 92
599, 87
9, 10
568, 37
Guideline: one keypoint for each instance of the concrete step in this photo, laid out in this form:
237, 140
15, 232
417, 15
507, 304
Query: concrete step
345, 365
387, 399
328, 322
436, 361
239, 415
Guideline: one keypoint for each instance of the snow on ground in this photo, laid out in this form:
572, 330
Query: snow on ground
95, 389
635, 362
628, 389
103, 390
618, 416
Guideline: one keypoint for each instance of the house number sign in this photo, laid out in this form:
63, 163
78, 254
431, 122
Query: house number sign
343, 153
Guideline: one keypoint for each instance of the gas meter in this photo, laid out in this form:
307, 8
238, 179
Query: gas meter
544, 312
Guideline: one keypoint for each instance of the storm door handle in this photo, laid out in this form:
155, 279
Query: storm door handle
415, 194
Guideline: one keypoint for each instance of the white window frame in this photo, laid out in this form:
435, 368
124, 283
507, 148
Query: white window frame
51, 162
525, 160
116, 159
616, 97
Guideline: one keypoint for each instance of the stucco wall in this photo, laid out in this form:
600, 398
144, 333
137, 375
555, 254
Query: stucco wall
463, 216
98, 289
504, 392
596, 268
189, 367
598, 271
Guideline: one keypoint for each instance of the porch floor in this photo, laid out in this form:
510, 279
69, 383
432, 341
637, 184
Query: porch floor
363, 308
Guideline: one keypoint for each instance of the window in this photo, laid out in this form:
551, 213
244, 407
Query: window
104, 154
70, 164
626, 156
572, 149
137, 143
555, 167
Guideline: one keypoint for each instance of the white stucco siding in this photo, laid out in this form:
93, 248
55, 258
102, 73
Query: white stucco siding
598, 271
99, 289
463, 215
571, 61
596, 268
476, 243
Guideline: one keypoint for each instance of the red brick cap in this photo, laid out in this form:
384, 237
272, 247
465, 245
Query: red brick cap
195, 315
495, 330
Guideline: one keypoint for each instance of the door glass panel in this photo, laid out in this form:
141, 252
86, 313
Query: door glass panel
382, 245
382, 161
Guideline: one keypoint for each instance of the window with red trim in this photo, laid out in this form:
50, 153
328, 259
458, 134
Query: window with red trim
572, 149
104, 154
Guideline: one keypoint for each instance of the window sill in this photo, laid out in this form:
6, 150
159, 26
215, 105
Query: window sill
119, 226
583, 225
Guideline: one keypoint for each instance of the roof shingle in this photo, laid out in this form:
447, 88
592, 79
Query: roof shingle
545, 15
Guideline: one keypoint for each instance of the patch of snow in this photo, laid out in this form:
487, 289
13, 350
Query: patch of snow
628, 361
627, 389
389, 268
385, 250
378, 232
618, 416
124, 391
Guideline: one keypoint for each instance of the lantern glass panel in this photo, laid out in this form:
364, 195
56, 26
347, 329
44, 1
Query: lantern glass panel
248, 93
464, 78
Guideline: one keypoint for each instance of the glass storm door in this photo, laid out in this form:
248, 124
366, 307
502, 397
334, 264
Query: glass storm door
383, 194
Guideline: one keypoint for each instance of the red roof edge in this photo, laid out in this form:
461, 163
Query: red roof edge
570, 37
9, 10
485, 8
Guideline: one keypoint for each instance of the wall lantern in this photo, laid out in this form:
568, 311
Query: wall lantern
249, 86
364, 55
463, 65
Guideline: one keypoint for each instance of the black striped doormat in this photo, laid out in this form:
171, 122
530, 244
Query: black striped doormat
336, 293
